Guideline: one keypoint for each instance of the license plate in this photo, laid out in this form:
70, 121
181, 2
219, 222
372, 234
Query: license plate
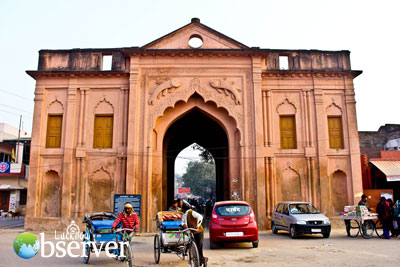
234, 234
316, 230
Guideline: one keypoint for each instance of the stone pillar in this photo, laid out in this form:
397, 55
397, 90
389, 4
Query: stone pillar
259, 196
322, 140
132, 182
33, 197
69, 193
355, 178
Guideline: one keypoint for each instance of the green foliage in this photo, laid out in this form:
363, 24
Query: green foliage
205, 155
200, 175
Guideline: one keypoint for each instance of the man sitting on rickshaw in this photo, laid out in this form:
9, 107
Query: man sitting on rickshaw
129, 219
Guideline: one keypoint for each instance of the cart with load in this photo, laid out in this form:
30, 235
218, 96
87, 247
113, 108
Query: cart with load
361, 221
172, 238
99, 233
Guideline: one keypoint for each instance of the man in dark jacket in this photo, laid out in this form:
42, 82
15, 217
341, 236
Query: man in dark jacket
363, 202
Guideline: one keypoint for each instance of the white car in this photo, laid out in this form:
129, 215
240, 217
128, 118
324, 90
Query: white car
299, 218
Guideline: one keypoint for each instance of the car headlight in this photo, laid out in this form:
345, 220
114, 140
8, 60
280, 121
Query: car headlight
326, 221
301, 222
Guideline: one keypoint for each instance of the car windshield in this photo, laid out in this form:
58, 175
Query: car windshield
232, 210
303, 208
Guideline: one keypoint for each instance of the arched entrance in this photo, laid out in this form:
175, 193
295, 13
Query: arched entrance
197, 127
188, 122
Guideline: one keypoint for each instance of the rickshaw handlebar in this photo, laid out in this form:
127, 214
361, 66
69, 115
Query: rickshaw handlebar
189, 229
124, 229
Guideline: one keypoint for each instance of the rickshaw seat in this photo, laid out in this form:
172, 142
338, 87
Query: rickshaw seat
106, 224
169, 225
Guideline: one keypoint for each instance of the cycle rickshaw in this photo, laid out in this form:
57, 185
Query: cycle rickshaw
174, 239
99, 233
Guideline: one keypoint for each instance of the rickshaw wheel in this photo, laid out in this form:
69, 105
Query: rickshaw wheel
128, 258
157, 249
87, 252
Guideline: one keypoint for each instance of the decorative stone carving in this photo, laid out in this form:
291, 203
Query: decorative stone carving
334, 109
56, 107
163, 88
286, 107
189, 87
104, 107
227, 89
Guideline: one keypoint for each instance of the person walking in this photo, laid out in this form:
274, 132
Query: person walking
383, 210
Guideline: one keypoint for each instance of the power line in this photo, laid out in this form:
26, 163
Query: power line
30, 99
29, 112
16, 114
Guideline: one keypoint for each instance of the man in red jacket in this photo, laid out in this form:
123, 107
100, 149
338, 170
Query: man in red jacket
128, 217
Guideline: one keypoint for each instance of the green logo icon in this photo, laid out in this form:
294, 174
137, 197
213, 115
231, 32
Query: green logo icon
26, 245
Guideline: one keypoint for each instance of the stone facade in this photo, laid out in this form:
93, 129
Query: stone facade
163, 96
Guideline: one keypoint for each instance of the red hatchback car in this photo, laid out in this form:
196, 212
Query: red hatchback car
233, 221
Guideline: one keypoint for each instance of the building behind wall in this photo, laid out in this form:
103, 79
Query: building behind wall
281, 125
14, 180
380, 159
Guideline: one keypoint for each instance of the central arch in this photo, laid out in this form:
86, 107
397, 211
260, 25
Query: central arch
196, 127
196, 121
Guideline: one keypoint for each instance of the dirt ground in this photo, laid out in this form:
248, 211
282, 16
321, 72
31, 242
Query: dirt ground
273, 250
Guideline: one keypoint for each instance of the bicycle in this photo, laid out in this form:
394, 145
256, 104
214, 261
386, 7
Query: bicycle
124, 253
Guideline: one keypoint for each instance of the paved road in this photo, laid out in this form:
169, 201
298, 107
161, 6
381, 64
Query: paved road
274, 250
10, 223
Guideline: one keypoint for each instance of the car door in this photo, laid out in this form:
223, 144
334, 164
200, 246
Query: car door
285, 217
277, 216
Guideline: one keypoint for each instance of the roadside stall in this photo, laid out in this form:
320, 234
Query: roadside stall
361, 221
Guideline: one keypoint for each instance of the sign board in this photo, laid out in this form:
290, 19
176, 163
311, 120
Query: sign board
393, 178
120, 200
5, 167
183, 190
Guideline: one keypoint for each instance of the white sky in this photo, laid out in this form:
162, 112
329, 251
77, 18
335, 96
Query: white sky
369, 29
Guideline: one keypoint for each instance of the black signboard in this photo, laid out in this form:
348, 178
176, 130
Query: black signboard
120, 200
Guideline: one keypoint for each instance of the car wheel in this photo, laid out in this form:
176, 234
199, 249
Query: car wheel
326, 235
213, 245
255, 244
293, 232
273, 228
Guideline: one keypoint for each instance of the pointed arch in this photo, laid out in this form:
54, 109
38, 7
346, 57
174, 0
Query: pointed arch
291, 185
339, 191
51, 194
100, 188
55, 107
286, 107
104, 107
333, 109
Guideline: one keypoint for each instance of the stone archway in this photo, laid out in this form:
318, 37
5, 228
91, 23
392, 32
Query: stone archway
207, 125
197, 127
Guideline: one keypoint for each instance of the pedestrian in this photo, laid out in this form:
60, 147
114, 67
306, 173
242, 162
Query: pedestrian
192, 219
174, 206
363, 202
396, 214
383, 210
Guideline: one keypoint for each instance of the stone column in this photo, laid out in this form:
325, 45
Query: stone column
259, 197
132, 181
33, 200
69, 166
354, 144
322, 144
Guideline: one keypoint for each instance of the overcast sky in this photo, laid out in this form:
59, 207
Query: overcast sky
369, 29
